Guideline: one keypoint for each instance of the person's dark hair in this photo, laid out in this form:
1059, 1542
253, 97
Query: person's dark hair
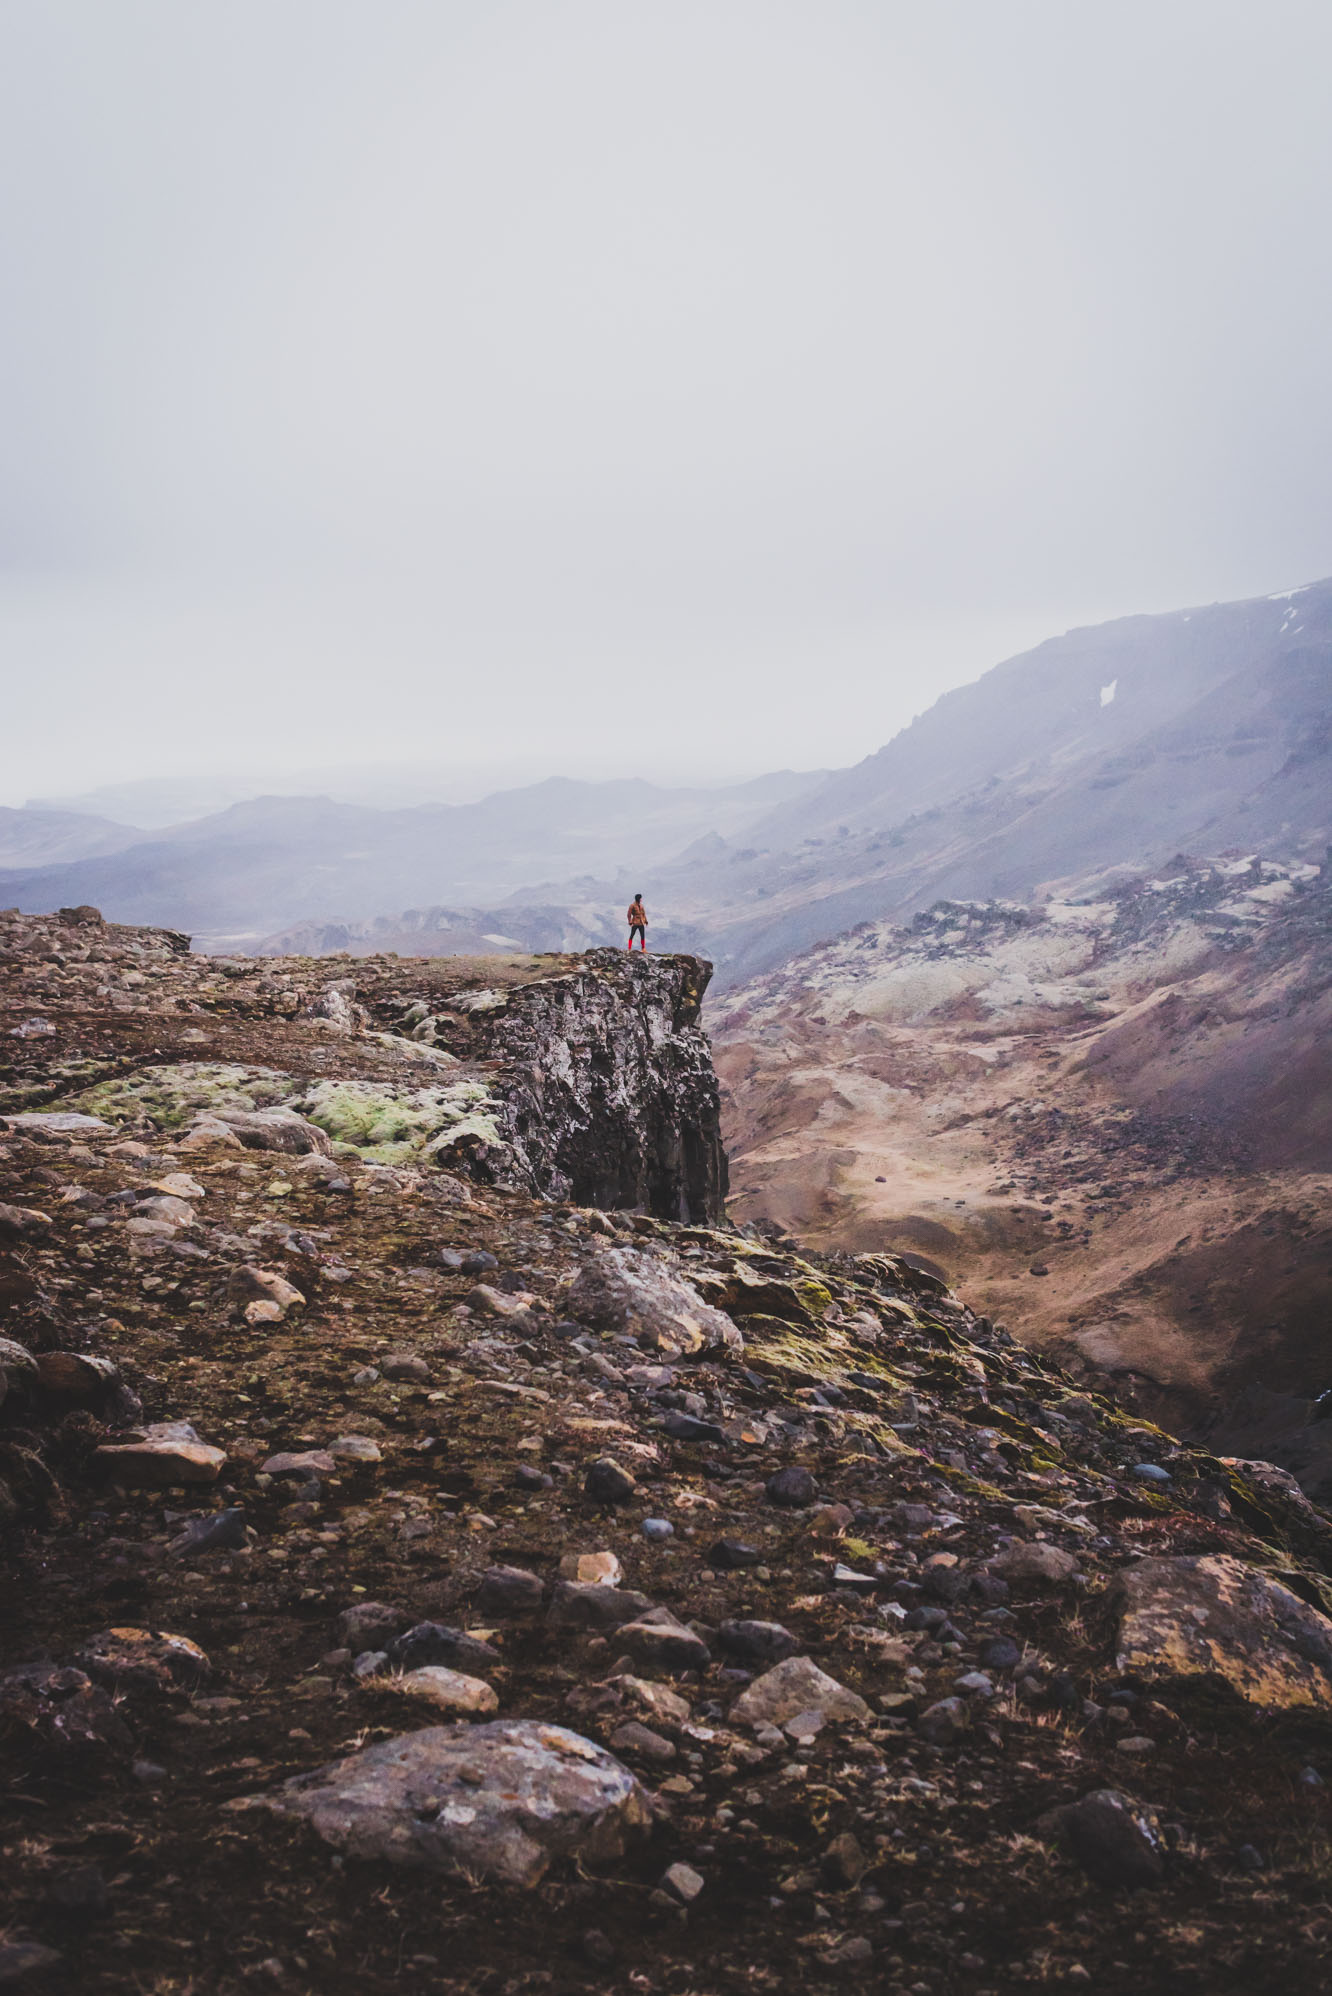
639, 895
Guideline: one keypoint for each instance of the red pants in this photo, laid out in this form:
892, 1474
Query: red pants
638, 929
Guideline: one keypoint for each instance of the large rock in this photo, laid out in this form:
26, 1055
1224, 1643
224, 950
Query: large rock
160, 1460
57, 1709
276, 1129
792, 1687
500, 1801
18, 1367
143, 1660
620, 1289
1210, 1617
1114, 1840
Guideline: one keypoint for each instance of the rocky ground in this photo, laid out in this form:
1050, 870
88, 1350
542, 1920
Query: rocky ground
1105, 1120
416, 1582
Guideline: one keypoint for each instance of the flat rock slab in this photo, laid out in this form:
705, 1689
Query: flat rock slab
1211, 1617
501, 1801
446, 1690
158, 1464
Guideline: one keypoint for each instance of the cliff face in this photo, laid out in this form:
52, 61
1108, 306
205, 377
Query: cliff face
609, 1093
584, 1077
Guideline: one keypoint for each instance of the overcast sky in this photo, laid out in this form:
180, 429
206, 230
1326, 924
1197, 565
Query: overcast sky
687, 386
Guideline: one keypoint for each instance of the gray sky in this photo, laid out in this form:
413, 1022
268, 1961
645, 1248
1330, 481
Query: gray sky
689, 386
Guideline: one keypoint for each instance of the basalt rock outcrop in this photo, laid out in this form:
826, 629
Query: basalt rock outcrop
584, 1077
579, 1598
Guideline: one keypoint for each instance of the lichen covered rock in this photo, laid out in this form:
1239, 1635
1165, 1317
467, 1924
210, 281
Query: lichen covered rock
1212, 1618
500, 1801
621, 1289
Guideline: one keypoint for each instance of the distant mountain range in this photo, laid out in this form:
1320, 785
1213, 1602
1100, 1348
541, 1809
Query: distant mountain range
235, 878
1096, 755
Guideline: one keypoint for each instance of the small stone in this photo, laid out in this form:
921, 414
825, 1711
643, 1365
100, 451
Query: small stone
943, 1723
308, 1464
804, 1727
405, 1366
607, 1483
1136, 1744
758, 1642
794, 1686
1151, 1472
1000, 1653
477, 1263
793, 1487
854, 1952
1249, 1859
509, 1590
263, 1311
433, 1642
683, 1881
148, 1773
844, 1862
1035, 1564
596, 1569
660, 1642
658, 1529
729, 1554
75, 1375
20, 1959
446, 1690
355, 1448
220, 1531
369, 1663
830, 1521
577, 1604
688, 1428
597, 1948
859, 1583
369, 1623
639, 1740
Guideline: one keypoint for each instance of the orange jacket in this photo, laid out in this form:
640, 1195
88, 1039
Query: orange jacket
637, 913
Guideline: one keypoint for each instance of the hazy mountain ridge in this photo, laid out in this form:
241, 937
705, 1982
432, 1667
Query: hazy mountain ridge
262, 865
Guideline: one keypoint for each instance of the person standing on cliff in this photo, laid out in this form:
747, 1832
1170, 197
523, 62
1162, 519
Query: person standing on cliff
637, 922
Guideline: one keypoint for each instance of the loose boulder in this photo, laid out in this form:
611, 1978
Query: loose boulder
1209, 1617
792, 1687
1116, 1842
621, 1289
501, 1801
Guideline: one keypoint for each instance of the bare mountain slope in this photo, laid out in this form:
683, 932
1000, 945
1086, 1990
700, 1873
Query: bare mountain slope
1107, 749
1111, 1120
